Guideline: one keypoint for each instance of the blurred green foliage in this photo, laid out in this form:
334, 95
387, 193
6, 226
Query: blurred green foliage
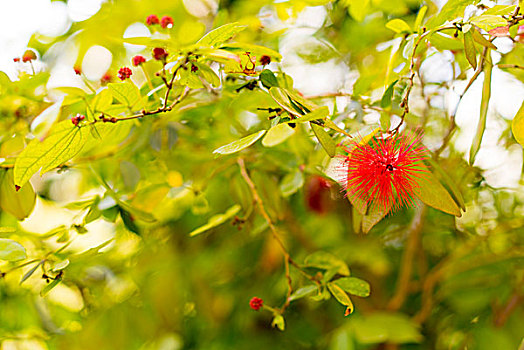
205, 180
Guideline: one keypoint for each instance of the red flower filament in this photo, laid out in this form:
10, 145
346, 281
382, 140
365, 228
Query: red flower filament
385, 171
256, 303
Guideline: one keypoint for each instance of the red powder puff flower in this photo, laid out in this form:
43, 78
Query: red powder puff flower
159, 54
138, 60
256, 303
124, 73
152, 20
385, 170
29, 55
166, 22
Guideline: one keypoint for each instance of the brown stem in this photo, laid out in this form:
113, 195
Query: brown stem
406, 267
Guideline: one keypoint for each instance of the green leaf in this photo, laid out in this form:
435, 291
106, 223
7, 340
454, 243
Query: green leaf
385, 102
65, 141
325, 140
282, 98
358, 9
61, 265
50, 286
303, 292
291, 183
102, 100
469, 49
431, 192
484, 104
216, 220
31, 271
420, 17
126, 93
45, 120
239, 145
517, 125
129, 220
278, 321
398, 26
327, 261
450, 11
19, 203
354, 286
318, 114
11, 250
479, 38
208, 74
277, 134
341, 296
268, 79
488, 22
450, 184
373, 216
445, 42
221, 34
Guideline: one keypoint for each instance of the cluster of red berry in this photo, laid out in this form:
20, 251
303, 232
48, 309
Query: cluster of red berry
77, 119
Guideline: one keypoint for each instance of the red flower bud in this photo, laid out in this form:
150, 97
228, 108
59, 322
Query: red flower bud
16, 59
265, 60
77, 69
166, 22
256, 303
124, 73
138, 60
106, 78
152, 20
77, 119
159, 54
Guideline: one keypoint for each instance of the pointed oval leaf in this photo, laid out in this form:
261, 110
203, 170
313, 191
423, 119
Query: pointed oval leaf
65, 141
221, 34
431, 192
277, 134
127, 93
325, 140
469, 49
341, 296
19, 203
11, 250
398, 26
354, 286
517, 125
216, 220
239, 145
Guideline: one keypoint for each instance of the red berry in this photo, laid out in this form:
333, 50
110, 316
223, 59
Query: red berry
256, 303
166, 22
265, 60
124, 73
159, 54
138, 60
29, 55
152, 20
16, 59
77, 69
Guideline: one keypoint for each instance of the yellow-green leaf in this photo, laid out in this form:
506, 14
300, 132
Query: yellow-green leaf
354, 286
64, 142
216, 220
398, 26
221, 34
517, 126
431, 192
479, 38
278, 321
11, 250
341, 296
469, 49
484, 103
420, 17
127, 93
239, 145
325, 140
17, 203
277, 134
